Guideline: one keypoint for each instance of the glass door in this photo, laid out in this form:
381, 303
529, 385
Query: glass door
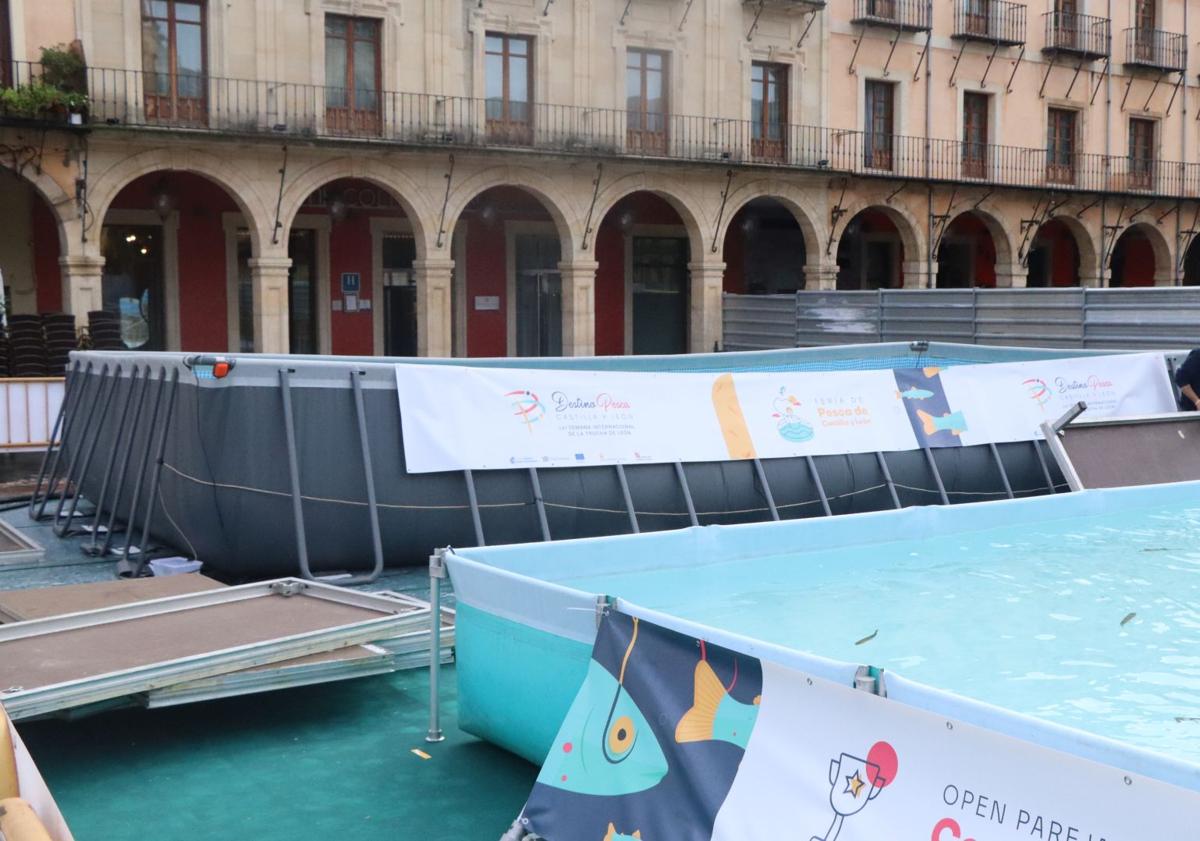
399, 296
659, 295
538, 296
132, 284
302, 291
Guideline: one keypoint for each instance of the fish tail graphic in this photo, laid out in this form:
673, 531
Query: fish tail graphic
733, 422
697, 723
899, 394
931, 371
928, 422
613, 835
956, 423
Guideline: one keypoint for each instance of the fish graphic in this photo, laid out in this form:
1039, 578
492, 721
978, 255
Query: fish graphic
953, 422
613, 835
605, 745
931, 371
715, 715
915, 393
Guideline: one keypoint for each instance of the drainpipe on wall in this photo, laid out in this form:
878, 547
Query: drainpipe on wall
1102, 279
930, 277
1177, 275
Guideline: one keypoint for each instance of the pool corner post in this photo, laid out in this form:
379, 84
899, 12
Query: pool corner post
437, 571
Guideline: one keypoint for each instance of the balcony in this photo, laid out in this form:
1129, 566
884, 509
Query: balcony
1084, 36
1154, 49
212, 106
906, 15
990, 21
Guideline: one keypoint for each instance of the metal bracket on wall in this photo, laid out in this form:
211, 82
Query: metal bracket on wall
1108, 238
686, 11
988, 69
279, 198
1046, 77
939, 222
1074, 77
812, 17
1174, 93
921, 57
983, 198
1029, 227
1103, 75
1186, 237
625, 12
835, 214
754, 23
1013, 75
449, 176
957, 59
857, 46
892, 52
721, 211
587, 227
546, 11
1125, 96
896, 192
1139, 211
1088, 206
1153, 89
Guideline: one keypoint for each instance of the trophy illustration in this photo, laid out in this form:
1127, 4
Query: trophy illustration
854, 781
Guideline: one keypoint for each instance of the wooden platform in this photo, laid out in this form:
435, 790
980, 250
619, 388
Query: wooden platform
40, 602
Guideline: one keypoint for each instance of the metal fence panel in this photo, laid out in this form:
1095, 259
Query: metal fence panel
1118, 319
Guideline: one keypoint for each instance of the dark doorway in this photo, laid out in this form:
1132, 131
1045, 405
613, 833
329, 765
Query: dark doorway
132, 285
539, 296
302, 291
399, 296
660, 295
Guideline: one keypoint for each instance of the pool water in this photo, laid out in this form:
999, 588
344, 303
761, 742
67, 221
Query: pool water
1091, 622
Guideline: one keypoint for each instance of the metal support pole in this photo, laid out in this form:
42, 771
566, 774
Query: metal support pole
124, 469
816, 477
437, 571
1037, 448
58, 424
633, 523
74, 458
687, 493
474, 501
289, 426
1000, 466
937, 476
541, 503
72, 396
152, 497
92, 548
64, 528
762, 480
140, 476
887, 477
360, 413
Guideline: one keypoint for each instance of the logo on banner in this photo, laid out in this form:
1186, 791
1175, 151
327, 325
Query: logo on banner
1038, 391
854, 782
788, 423
526, 407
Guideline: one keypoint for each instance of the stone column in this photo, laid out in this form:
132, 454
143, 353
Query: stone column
81, 289
916, 275
578, 307
705, 329
269, 278
435, 320
820, 276
1011, 276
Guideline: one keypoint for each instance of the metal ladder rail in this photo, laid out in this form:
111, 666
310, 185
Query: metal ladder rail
473, 499
64, 528
92, 548
67, 425
123, 566
887, 477
687, 493
152, 497
937, 476
1000, 466
816, 477
624, 482
123, 470
360, 413
766, 488
285, 390
58, 423
536, 485
74, 457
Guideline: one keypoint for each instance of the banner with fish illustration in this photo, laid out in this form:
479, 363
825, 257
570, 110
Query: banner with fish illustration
671, 737
457, 418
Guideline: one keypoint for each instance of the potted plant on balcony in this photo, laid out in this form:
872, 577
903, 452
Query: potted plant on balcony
59, 93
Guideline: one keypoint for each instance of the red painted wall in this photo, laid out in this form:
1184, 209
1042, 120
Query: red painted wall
46, 271
202, 268
972, 227
877, 222
1138, 260
735, 257
1064, 261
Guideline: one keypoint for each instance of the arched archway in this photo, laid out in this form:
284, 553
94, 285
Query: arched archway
873, 248
1140, 257
644, 293
1060, 254
765, 249
31, 244
169, 261
967, 255
508, 288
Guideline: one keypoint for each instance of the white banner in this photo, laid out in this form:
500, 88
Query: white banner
672, 737
457, 418
30, 786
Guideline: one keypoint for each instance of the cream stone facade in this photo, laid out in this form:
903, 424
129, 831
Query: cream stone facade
490, 177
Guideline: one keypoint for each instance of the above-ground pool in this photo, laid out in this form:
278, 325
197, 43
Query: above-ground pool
1079, 610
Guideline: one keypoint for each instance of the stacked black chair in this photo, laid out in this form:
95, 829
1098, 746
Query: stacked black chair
59, 328
4, 353
105, 329
27, 346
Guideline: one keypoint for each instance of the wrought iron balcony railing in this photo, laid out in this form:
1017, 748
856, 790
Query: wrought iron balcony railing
1155, 49
1086, 36
209, 105
910, 15
993, 21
